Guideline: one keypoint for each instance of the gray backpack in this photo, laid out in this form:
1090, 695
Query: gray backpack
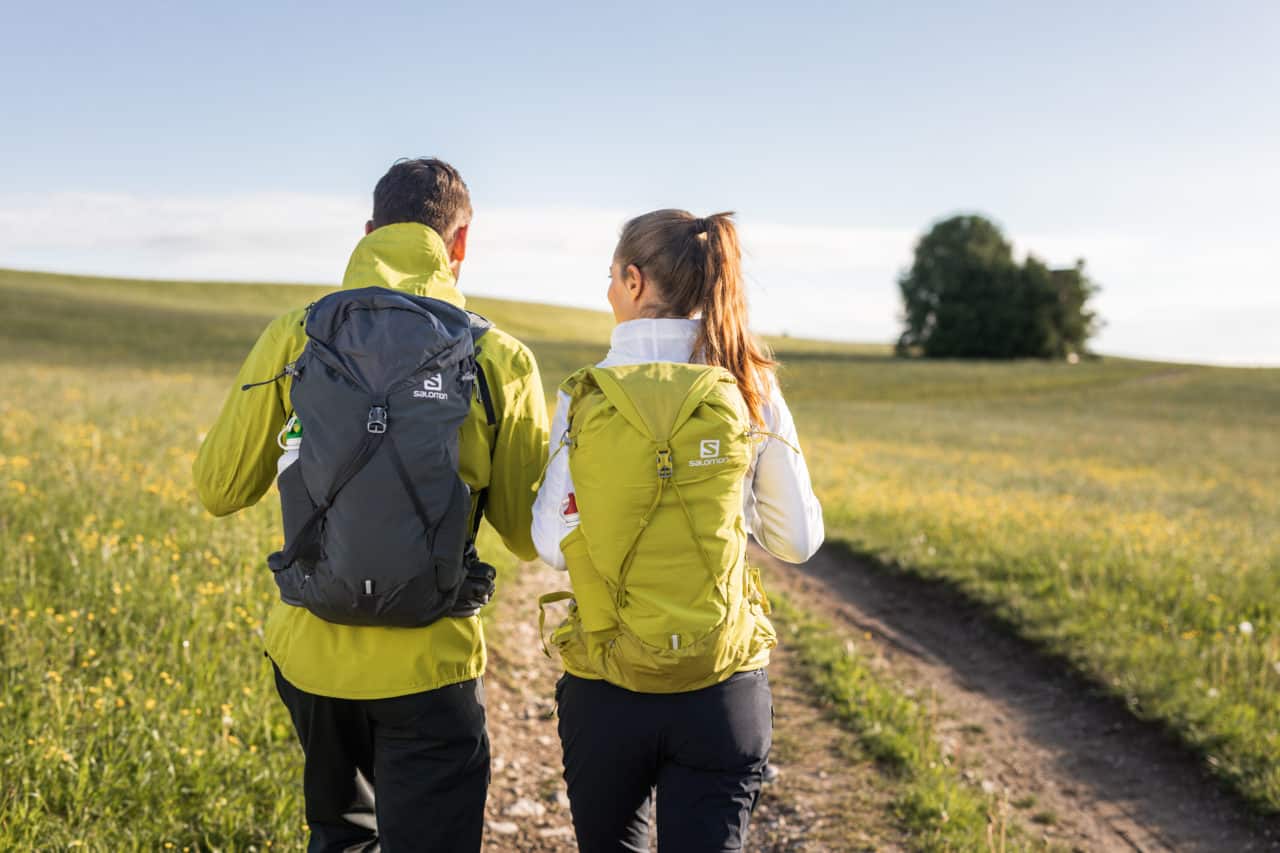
376, 517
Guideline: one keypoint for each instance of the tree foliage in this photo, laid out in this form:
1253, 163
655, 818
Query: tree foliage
966, 297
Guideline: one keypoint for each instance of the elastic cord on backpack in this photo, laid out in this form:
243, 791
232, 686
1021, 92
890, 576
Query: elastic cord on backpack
757, 434
620, 597
542, 475
693, 529
290, 369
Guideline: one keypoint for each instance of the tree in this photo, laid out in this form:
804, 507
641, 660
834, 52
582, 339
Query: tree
1073, 320
966, 297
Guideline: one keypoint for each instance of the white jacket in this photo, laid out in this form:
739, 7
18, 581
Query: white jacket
780, 508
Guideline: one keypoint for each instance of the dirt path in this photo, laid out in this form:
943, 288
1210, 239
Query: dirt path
826, 797
1081, 770
823, 800
528, 809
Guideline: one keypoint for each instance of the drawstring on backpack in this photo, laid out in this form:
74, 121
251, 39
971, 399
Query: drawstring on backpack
542, 475
760, 434
664, 469
290, 369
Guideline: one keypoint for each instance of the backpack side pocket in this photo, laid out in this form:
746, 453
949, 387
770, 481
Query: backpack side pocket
296, 507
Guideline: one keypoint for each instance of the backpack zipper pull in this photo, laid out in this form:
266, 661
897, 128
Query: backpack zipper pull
290, 369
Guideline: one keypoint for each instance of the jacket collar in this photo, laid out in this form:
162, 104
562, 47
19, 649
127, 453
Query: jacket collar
665, 339
405, 256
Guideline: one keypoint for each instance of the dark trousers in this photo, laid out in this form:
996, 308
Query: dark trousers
403, 774
704, 751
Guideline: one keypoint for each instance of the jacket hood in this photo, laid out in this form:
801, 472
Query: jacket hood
405, 256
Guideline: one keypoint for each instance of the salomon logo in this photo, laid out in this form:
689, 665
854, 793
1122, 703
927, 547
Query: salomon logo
710, 450
432, 389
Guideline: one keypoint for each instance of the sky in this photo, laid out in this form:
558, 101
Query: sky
241, 142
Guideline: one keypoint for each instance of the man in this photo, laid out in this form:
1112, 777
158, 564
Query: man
391, 720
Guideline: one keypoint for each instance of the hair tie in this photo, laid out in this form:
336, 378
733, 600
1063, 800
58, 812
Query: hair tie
699, 226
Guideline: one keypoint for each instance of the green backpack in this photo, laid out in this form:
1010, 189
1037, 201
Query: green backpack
663, 600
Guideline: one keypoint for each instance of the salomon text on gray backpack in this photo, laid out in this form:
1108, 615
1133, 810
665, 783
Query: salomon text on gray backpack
377, 519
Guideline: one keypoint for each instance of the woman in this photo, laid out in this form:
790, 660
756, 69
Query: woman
669, 452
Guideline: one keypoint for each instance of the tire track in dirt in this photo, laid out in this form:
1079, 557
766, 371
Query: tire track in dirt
822, 800
1020, 723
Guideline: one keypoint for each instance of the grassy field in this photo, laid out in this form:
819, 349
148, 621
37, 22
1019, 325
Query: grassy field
135, 708
1124, 513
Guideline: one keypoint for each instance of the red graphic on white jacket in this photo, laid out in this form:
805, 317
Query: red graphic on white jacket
569, 510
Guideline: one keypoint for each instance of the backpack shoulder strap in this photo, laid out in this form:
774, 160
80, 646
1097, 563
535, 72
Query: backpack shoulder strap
480, 325
491, 418
571, 382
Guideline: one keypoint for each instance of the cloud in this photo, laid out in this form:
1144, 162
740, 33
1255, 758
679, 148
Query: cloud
265, 236
562, 256
1162, 296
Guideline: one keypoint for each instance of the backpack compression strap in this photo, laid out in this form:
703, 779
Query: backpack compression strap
543, 601
623, 404
309, 535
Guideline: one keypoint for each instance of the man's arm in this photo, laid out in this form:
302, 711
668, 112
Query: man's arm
519, 452
237, 459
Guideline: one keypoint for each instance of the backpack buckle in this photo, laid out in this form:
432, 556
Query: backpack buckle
664, 464
377, 420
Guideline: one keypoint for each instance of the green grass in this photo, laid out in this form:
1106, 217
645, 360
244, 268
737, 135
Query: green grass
136, 707
933, 804
1123, 513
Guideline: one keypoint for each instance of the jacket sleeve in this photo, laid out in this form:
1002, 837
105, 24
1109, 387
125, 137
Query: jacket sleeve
519, 451
781, 509
550, 523
237, 459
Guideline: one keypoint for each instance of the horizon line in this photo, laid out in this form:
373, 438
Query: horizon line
1159, 359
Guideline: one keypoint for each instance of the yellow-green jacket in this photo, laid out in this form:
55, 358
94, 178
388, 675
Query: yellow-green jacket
237, 464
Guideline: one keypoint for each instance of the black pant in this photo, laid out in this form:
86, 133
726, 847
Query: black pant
704, 750
426, 755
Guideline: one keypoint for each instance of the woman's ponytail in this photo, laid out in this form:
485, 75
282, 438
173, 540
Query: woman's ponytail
697, 267
724, 337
